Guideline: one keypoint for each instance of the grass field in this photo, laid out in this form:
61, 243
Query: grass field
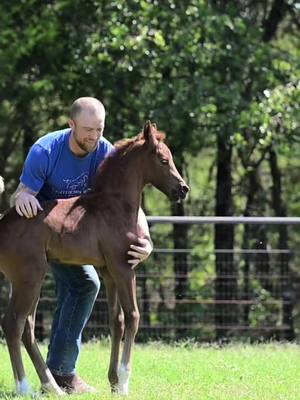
187, 372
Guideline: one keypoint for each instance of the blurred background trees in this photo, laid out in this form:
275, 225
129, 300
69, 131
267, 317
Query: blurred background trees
221, 78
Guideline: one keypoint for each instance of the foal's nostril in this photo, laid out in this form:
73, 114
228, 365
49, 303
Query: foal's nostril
180, 191
185, 189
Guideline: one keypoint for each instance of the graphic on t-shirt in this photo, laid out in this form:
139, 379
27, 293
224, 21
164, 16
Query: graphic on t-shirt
75, 186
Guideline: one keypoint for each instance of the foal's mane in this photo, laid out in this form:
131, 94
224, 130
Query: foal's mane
114, 164
124, 145
119, 156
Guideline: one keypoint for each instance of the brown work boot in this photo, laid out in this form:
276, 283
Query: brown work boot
73, 384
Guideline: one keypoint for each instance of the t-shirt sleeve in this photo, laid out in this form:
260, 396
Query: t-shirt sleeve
109, 148
35, 168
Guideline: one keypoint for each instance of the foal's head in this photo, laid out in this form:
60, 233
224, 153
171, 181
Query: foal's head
160, 168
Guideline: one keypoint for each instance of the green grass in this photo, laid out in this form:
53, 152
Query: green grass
187, 372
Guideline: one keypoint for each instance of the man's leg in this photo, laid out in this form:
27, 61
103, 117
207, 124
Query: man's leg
77, 289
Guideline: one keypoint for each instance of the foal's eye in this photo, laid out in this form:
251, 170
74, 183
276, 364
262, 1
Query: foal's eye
164, 161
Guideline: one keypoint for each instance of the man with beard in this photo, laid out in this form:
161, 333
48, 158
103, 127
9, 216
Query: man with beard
63, 164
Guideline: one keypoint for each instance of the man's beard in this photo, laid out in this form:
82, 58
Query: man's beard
86, 146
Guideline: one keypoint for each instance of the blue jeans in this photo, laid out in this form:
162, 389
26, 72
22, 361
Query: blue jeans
76, 290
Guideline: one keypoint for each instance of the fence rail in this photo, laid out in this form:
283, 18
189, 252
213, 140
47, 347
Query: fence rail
225, 220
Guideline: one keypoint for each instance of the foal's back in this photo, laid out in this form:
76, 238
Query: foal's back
63, 232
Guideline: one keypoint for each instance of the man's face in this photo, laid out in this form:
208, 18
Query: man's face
87, 130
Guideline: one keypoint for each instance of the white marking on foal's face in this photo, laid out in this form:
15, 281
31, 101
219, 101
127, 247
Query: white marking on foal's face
23, 387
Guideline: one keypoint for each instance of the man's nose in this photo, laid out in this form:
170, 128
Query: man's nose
94, 134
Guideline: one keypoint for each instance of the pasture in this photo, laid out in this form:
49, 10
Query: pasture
186, 372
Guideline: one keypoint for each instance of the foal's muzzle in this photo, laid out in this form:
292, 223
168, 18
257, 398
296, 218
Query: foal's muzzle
181, 192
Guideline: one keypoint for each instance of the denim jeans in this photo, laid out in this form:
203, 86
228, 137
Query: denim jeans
76, 288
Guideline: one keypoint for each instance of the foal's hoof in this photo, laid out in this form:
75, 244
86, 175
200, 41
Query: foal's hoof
23, 388
119, 390
123, 392
48, 388
123, 377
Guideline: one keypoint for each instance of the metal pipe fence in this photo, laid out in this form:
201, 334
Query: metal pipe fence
206, 293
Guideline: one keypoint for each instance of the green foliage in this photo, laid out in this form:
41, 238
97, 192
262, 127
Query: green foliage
202, 70
183, 64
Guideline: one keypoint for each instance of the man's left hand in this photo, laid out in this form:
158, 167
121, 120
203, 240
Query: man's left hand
140, 252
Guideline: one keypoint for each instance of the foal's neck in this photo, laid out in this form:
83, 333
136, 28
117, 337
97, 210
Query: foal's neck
121, 178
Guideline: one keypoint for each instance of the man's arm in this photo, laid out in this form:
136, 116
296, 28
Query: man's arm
25, 201
142, 251
32, 179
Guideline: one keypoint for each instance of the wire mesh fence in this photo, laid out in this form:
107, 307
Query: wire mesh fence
203, 293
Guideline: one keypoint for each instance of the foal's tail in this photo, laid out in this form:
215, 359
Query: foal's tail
1, 185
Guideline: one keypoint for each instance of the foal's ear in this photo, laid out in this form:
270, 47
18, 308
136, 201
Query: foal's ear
149, 135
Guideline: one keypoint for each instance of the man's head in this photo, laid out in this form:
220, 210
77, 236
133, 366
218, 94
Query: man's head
87, 124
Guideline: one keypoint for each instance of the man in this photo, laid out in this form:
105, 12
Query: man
63, 164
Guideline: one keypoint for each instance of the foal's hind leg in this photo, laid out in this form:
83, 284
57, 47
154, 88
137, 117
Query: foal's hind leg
47, 381
116, 323
23, 295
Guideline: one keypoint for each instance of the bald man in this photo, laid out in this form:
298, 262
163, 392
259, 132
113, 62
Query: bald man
59, 165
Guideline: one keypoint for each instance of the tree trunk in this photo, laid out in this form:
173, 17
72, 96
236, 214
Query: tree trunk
226, 315
258, 239
285, 271
276, 15
246, 276
255, 236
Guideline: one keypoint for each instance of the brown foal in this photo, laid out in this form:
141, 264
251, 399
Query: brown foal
96, 228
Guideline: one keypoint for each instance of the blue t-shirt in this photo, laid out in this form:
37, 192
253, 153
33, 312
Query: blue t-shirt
52, 170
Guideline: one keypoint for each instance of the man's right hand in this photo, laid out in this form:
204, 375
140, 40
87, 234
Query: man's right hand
27, 204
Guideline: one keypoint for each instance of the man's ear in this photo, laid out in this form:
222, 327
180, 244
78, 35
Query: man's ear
71, 124
149, 136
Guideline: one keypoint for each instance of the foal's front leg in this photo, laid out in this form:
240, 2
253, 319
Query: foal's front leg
126, 286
